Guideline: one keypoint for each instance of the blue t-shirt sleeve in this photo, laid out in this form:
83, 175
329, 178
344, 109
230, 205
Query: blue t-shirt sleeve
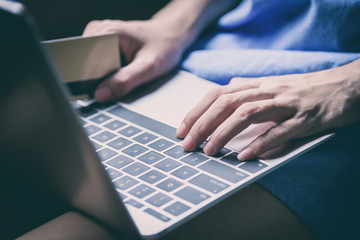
275, 37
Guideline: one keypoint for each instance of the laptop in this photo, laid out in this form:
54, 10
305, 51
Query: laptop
121, 163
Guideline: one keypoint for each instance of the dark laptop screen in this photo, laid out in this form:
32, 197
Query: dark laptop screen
31, 125
41, 139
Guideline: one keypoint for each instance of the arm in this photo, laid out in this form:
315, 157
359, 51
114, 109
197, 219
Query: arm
188, 18
300, 105
155, 46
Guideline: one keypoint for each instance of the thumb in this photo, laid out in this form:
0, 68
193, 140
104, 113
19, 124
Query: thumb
139, 71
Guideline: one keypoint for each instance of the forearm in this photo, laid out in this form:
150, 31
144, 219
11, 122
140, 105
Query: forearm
187, 18
355, 67
349, 78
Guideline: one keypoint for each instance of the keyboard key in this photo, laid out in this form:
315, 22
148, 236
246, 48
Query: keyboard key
231, 159
209, 183
148, 123
177, 208
152, 176
141, 191
222, 152
157, 215
82, 121
86, 112
176, 152
100, 106
136, 169
184, 172
106, 153
119, 161
253, 166
201, 147
119, 143
191, 195
129, 131
125, 183
91, 129
167, 165
135, 150
194, 159
113, 174
96, 145
114, 125
122, 196
151, 157
159, 199
134, 203
161, 145
99, 119
104, 136
169, 185
223, 171
145, 138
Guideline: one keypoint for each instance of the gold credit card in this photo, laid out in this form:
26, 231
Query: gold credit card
84, 61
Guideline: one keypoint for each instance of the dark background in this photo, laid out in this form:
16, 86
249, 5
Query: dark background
66, 18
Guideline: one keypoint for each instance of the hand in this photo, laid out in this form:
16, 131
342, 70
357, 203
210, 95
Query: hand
150, 49
300, 105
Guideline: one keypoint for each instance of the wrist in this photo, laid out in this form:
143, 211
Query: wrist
185, 19
173, 31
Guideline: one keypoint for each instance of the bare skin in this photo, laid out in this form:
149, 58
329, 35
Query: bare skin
155, 46
300, 105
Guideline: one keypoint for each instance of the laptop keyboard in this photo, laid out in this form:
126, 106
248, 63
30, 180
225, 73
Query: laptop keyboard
150, 169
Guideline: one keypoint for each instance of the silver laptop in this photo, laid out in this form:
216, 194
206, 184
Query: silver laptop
120, 163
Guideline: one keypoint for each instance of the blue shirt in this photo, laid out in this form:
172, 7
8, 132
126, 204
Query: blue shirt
275, 37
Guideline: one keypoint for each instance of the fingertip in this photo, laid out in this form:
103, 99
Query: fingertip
246, 154
210, 148
188, 143
181, 131
103, 94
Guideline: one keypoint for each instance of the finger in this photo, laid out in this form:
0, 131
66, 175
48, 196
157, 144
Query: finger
271, 139
139, 71
97, 27
199, 109
251, 82
207, 123
217, 113
243, 117
207, 101
91, 28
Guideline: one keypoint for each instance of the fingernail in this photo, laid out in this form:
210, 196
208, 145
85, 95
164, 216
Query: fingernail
103, 94
181, 131
188, 143
209, 148
246, 154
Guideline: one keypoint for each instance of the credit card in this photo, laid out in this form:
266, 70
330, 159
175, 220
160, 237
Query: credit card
84, 62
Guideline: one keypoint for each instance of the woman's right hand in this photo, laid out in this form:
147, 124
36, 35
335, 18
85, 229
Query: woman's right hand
149, 47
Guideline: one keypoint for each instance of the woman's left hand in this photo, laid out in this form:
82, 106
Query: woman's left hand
299, 104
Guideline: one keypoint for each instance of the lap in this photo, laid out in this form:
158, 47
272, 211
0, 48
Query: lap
252, 213
321, 186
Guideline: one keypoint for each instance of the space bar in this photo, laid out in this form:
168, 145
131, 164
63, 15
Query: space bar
225, 172
145, 122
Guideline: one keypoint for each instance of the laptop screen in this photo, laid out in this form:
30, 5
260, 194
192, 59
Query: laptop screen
32, 127
41, 139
